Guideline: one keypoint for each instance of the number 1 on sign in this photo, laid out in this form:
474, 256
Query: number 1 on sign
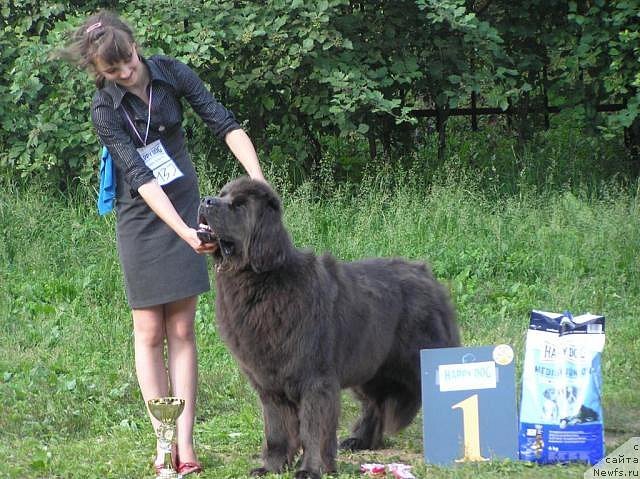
471, 429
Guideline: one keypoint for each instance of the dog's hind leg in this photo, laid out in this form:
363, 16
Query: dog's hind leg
368, 429
387, 407
281, 439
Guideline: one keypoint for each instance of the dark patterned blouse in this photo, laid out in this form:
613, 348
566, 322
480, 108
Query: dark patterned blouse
171, 80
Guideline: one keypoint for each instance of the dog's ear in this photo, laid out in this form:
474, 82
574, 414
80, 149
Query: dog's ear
269, 242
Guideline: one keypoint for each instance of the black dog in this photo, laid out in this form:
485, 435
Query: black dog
303, 327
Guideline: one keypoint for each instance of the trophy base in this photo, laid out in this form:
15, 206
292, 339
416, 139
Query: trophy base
168, 474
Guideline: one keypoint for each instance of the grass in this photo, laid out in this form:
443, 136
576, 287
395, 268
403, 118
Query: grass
71, 407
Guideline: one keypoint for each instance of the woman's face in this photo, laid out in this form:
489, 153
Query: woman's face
127, 73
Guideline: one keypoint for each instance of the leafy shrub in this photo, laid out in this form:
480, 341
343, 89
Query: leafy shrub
305, 75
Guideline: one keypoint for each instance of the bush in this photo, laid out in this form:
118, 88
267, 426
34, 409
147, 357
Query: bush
306, 75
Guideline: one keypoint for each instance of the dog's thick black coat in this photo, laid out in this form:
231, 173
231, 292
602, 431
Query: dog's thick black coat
303, 327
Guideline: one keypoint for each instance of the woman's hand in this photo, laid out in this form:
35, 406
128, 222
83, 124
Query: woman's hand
191, 237
160, 203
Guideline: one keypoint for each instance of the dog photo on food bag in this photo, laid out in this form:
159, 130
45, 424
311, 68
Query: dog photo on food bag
302, 327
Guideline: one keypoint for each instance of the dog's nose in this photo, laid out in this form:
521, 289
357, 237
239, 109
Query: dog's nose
208, 201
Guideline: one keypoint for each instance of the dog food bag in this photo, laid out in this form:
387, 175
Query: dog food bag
561, 410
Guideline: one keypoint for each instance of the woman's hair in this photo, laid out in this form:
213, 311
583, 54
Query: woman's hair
103, 35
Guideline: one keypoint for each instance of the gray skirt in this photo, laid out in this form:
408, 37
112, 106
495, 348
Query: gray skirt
159, 267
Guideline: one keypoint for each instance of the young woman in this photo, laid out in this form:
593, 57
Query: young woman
137, 113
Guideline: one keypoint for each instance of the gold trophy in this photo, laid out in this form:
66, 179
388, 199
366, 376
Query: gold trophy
166, 410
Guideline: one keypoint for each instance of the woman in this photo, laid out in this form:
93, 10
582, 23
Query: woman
137, 114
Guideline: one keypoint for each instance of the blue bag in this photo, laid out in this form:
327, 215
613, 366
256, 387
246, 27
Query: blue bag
107, 192
561, 407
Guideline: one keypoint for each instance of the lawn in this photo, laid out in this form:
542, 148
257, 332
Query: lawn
71, 407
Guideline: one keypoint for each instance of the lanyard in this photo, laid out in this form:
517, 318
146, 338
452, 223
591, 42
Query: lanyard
135, 130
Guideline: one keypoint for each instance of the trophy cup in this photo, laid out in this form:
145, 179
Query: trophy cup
166, 410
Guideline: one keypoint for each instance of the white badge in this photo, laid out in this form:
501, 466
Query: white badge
156, 158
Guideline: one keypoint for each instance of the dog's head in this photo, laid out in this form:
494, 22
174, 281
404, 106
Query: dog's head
246, 220
550, 394
571, 394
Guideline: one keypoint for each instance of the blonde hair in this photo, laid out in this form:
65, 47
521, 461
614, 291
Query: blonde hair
103, 35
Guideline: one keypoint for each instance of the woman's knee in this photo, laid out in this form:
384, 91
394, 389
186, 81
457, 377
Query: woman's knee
181, 330
150, 337
149, 327
180, 320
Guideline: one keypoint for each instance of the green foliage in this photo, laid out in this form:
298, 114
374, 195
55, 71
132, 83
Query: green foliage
598, 62
458, 52
623, 76
45, 128
302, 75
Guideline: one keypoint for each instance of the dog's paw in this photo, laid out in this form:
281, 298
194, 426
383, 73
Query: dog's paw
258, 472
352, 444
306, 475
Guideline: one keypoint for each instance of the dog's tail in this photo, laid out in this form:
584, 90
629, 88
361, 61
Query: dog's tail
399, 409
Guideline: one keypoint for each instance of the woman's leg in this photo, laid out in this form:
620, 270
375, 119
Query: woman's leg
183, 368
149, 334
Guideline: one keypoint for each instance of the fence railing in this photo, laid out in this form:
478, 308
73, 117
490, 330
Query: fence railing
475, 111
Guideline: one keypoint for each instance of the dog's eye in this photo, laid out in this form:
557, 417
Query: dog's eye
237, 202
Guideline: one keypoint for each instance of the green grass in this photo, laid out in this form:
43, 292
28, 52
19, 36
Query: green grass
71, 407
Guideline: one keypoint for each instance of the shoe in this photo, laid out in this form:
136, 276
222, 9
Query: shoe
185, 468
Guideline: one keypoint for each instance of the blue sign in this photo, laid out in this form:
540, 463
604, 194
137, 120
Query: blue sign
469, 404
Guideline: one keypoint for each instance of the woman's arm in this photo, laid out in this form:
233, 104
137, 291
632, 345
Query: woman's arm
159, 202
240, 145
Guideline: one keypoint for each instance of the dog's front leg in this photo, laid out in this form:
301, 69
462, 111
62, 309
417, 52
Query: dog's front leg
281, 440
319, 412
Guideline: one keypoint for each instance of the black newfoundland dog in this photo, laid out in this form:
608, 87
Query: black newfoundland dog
303, 327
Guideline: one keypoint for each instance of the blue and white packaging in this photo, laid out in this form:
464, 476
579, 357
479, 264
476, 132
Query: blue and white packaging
561, 408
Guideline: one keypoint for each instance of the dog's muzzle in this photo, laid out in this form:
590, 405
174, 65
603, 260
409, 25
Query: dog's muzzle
204, 231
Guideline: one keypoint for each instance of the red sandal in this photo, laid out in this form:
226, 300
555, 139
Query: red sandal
185, 468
